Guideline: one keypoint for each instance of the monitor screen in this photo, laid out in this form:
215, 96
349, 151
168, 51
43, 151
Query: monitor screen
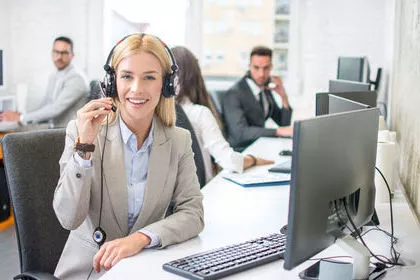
353, 69
343, 86
338, 104
365, 97
330, 170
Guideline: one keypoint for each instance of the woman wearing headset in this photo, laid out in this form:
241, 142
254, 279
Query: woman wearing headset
197, 104
144, 163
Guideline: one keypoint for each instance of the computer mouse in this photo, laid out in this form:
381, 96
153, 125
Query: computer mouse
286, 153
283, 230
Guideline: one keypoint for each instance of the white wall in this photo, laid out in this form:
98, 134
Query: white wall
327, 29
5, 43
29, 30
405, 117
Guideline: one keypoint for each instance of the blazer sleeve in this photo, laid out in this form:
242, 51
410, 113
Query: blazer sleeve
72, 194
281, 116
239, 129
187, 220
74, 88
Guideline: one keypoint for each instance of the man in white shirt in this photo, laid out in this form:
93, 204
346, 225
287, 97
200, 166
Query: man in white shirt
67, 91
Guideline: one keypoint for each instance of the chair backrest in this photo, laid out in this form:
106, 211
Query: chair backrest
70, 113
217, 99
183, 121
95, 90
32, 170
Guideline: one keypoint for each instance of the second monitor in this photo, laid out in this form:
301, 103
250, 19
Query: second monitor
364, 97
344, 85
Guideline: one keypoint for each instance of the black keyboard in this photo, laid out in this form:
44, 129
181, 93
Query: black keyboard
224, 261
283, 167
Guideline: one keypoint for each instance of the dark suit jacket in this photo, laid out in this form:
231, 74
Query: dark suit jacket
244, 116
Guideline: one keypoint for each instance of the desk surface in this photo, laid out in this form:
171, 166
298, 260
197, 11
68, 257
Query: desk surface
234, 214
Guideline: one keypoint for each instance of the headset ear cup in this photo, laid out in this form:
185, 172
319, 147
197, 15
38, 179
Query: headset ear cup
111, 86
168, 86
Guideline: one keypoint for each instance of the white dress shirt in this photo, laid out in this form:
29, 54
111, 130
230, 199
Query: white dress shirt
256, 91
136, 166
211, 140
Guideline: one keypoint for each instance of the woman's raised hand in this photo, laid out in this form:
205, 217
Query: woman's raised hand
90, 117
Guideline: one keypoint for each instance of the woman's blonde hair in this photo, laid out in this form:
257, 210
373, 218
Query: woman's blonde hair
134, 44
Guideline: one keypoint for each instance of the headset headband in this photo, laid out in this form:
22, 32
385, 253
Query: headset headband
174, 66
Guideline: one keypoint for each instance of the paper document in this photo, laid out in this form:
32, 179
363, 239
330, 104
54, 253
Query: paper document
258, 179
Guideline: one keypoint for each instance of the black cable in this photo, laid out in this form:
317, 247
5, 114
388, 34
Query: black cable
394, 254
90, 273
331, 257
102, 172
394, 239
385, 260
339, 218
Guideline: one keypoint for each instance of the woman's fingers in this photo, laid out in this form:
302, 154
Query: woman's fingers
108, 257
262, 161
97, 259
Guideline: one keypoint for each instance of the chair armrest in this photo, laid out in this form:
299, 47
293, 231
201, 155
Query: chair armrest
35, 275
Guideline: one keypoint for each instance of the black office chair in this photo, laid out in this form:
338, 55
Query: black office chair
32, 171
183, 121
94, 90
217, 99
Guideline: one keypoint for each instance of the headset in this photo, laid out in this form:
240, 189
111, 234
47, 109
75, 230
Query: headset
170, 81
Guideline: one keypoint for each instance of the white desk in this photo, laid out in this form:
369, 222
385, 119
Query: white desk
234, 214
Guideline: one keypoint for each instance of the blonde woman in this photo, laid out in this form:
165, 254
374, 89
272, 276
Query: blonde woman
120, 170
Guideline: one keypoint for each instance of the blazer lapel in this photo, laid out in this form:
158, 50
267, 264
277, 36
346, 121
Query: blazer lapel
157, 173
249, 96
115, 182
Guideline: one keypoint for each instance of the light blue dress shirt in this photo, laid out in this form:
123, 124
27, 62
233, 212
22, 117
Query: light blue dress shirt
136, 167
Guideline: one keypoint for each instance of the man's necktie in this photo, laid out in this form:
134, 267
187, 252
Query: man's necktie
264, 103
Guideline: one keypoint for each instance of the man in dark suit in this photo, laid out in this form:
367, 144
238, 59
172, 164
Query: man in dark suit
249, 103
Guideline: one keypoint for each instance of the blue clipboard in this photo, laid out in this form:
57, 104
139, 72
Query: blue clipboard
258, 180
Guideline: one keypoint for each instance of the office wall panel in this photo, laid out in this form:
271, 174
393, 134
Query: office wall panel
32, 27
405, 96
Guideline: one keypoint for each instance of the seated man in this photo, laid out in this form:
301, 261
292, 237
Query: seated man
67, 91
249, 103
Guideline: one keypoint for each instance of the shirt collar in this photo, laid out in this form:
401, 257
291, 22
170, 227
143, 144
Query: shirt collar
65, 70
126, 134
253, 86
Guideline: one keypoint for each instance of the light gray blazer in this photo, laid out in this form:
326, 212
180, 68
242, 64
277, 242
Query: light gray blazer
67, 92
171, 176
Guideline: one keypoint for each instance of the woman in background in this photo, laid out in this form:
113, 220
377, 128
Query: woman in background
196, 102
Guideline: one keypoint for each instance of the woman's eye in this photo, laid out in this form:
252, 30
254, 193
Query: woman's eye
149, 77
125, 76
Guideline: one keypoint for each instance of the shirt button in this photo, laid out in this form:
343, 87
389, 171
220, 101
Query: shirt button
78, 175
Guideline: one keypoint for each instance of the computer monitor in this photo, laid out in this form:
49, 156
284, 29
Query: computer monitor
365, 97
344, 86
333, 165
353, 69
338, 104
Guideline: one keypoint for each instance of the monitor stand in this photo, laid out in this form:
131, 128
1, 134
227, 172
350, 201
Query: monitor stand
331, 269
